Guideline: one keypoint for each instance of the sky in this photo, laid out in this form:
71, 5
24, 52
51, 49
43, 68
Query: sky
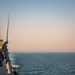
39, 25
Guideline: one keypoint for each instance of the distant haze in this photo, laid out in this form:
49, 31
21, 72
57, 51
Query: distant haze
39, 25
0, 32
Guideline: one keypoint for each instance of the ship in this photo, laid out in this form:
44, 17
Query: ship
5, 63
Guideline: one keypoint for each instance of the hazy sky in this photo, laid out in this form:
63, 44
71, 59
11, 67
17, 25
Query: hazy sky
39, 25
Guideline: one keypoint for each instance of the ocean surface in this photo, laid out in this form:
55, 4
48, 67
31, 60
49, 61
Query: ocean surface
44, 63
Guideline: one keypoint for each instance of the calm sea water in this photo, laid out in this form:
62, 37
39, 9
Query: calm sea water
44, 63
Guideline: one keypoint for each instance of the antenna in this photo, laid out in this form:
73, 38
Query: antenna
7, 29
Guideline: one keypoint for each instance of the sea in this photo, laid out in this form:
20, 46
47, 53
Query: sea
44, 63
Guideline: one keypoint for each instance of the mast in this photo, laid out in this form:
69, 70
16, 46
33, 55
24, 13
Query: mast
7, 29
8, 63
